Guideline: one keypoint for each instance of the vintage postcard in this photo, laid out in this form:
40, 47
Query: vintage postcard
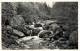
39, 25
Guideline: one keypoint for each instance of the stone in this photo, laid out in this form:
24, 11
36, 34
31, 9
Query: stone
44, 34
9, 29
57, 31
17, 21
17, 32
73, 38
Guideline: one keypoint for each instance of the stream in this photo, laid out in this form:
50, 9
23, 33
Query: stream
34, 42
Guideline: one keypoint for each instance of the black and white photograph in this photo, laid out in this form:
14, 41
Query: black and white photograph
39, 25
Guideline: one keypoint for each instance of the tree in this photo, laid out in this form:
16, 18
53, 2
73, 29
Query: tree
7, 11
66, 13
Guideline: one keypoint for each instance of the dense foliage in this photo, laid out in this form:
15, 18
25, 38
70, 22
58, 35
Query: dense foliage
66, 13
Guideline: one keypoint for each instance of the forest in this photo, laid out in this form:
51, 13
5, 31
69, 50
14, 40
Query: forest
35, 25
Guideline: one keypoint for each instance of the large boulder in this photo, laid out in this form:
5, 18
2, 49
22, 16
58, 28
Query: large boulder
47, 24
58, 32
16, 32
23, 29
55, 28
17, 21
46, 27
35, 32
73, 38
66, 31
45, 34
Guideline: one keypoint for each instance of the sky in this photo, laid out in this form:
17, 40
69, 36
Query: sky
50, 4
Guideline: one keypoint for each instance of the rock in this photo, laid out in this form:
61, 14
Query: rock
62, 39
64, 28
35, 32
62, 44
46, 27
37, 25
57, 31
17, 21
66, 31
24, 39
23, 29
3, 47
55, 28
73, 38
66, 35
9, 29
44, 34
39, 28
31, 26
50, 21
17, 32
